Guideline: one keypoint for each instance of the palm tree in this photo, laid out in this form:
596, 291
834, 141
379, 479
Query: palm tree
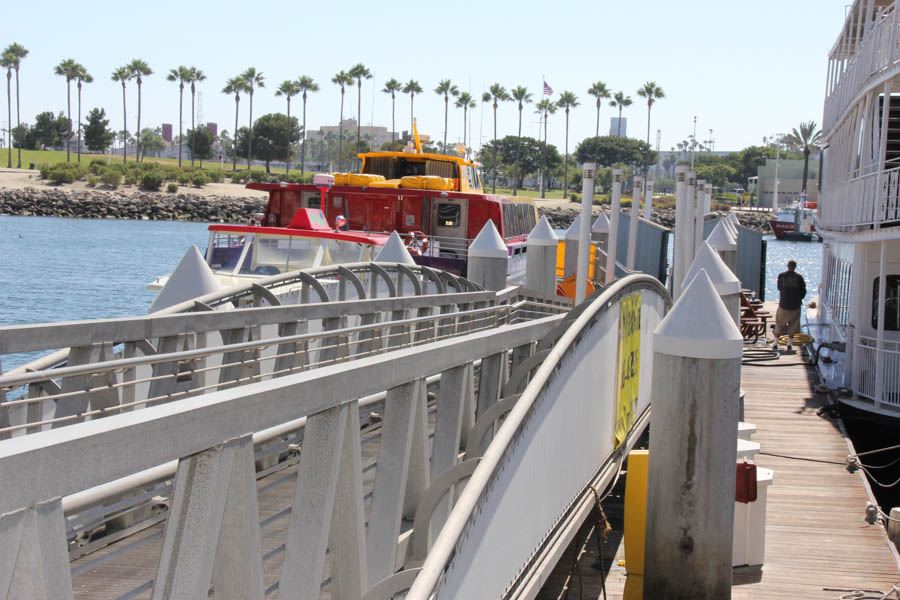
807, 138
567, 100
620, 100
342, 79
305, 84
83, 77
68, 69
599, 91
288, 89
14, 54
498, 94
465, 102
7, 61
359, 72
522, 96
181, 74
652, 93
446, 89
139, 69
392, 86
252, 79
412, 88
544, 108
235, 86
195, 76
122, 75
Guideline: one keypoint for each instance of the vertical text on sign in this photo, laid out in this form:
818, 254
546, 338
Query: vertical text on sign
629, 364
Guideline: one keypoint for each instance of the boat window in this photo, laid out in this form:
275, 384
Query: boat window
448, 215
470, 176
286, 252
441, 168
892, 305
477, 177
340, 252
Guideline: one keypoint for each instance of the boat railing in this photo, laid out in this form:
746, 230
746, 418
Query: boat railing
877, 52
877, 371
860, 202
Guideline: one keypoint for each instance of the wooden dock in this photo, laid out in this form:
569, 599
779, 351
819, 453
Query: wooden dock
818, 544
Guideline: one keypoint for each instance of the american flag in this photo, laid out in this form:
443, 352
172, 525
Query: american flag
548, 91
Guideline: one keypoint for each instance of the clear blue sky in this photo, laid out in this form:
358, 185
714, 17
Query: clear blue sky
744, 69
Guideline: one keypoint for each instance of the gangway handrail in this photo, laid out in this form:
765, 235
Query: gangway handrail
444, 547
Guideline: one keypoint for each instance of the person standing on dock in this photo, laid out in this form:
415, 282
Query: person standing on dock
792, 290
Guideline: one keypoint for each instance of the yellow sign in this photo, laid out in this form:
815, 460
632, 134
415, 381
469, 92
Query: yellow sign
628, 373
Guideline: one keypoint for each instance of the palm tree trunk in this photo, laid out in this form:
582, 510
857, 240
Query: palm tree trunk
412, 119
9, 120
598, 119
250, 133
516, 182
543, 183
465, 110
648, 124
124, 128
566, 163
340, 157
193, 127
138, 147
79, 122
494, 182
234, 146
18, 117
446, 107
393, 120
358, 110
287, 170
805, 168
303, 146
69, 115
619, 124
180, 112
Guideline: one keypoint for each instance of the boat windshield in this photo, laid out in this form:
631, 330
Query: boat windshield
270, 254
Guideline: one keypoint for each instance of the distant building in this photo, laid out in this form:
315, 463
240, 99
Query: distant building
614, 126
376, 136
790, 182
213, 128
167, 132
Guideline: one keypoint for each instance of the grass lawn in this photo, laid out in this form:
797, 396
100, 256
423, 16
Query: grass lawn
39, 157
557, 194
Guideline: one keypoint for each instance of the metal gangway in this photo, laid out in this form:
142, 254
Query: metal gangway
448, 442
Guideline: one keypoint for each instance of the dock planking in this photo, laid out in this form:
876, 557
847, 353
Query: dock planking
818, 544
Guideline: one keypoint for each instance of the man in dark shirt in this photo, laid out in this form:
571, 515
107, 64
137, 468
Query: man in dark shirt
792, 289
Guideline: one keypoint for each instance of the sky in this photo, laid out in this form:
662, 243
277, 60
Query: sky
745, 70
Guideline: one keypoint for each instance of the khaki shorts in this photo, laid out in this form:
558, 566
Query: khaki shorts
787, 319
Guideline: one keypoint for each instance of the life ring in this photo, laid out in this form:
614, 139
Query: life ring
417, 242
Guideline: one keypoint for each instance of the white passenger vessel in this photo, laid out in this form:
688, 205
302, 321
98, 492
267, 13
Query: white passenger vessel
859, 212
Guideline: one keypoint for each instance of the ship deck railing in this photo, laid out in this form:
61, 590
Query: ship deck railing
861, 203
872, 363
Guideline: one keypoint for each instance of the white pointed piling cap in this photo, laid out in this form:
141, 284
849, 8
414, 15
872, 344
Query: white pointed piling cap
720, 238
394, 251
488, 243
707, 259
542, 234
190, 279
601, 224
699, 326
574, 229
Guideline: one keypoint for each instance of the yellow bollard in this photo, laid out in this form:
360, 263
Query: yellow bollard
635, 522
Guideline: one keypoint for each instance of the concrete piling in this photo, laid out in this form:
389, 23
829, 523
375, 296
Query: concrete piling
690, 497
699, 214
725, 244
683, 230
615, 207
691, 192
540, 259
648, 200
727, 285
584, 231
488, 258
572, 238
394, 251
633, 221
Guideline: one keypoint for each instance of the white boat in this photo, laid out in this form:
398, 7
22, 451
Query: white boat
858, 318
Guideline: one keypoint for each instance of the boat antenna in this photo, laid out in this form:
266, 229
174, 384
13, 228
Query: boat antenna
416, 137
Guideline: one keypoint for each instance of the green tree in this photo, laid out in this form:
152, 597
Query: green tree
23, 136
252, 79
288, 89
753, 157
446, 89
97, 135
7, 61
567, 100
151, 142
412, 88
610, 150
717, 174
521, 96
272, 133
544, 108
69, 69
498, 94
139, 69
201, 140
182, 75
806, 139
341, 79
599, 91
235, 86
196, 76
465, 102
49, 130
620, 101
82, 77
14, 54
359, 72
519, 157
122, 75
392, 86
306, 84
